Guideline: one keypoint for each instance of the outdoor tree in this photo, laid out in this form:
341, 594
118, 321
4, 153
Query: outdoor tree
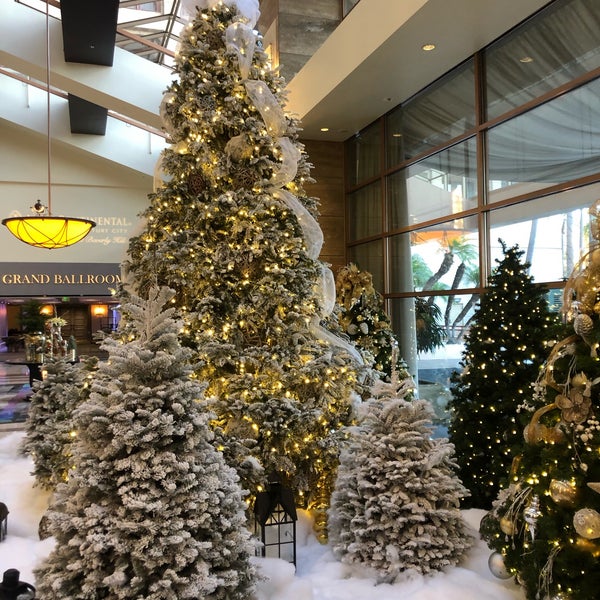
361, 316
510, 337
232, 231
49, 427
150, 510
395, 507
545, 526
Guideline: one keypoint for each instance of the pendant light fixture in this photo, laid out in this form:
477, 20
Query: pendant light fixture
41, 229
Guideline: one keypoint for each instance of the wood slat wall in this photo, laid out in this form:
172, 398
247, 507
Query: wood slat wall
328, 161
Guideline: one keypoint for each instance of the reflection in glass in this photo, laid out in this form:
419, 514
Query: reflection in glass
552, 231
443, 256
445, 110
556, 142
443, 184
362, 155
365, 212
369, 257
542, 54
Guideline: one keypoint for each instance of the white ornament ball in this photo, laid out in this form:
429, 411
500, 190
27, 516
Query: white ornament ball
497, 566
587, 523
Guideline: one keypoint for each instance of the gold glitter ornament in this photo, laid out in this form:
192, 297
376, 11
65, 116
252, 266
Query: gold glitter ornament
507, 526
563, 493
583, 324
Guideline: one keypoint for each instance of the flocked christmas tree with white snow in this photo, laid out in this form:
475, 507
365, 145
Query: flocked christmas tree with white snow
49, 427
231, 229
395, 506
151, 510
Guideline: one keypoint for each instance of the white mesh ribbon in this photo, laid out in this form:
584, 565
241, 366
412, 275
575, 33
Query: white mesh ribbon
286, 170
323, 334
313, 236
325, 288
268, 107
241, 39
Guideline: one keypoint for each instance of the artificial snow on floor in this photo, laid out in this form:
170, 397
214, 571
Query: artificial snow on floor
319, 576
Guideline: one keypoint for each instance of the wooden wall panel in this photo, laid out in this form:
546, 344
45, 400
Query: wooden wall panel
327, 159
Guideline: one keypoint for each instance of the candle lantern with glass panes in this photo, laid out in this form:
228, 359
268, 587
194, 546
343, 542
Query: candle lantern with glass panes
275, 522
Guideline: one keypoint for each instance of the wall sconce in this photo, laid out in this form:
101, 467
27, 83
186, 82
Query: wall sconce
47, 310
275, 522
99, 310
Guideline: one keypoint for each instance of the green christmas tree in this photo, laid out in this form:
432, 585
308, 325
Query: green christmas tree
150, 510
49, 427
362, 317
395, 507
545, 526
232, 231
511, 336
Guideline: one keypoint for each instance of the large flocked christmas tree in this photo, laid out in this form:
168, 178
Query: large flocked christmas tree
151, 510
510, 337
395, 506
544, 528
231, 229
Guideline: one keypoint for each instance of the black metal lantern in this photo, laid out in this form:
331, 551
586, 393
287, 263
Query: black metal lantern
3, 521
11, 588
275, 522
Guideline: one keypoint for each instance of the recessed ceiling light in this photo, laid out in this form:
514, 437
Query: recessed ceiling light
428, 47
526, 59
397, 135
324, 128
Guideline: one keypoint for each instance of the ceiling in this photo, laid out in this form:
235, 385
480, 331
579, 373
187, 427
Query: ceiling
119, 70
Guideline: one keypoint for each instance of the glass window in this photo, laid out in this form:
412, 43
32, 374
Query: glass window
365, 212
369, 257
558, 141
445, 110
542, 54
442, 257
443, 184
362, 155
553, 231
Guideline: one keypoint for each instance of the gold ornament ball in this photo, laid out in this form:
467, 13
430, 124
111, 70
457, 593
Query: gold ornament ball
497, 566
507, 526
587, 523
563, 493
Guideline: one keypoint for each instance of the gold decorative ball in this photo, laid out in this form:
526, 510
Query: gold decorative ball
587, 523
563, 493
507, 526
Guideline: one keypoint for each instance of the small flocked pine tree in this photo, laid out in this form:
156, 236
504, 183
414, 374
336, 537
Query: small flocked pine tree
362, 317
151, 510
49, 427
395, 507
545, 526
511, 336
233, 232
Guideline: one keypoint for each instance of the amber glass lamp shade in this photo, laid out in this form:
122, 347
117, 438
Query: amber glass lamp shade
47, 231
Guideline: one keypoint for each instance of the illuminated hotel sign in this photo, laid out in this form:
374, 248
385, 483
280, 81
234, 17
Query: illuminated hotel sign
58, 279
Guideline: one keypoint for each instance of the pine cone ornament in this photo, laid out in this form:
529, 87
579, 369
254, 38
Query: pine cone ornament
196, 183
583, 324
